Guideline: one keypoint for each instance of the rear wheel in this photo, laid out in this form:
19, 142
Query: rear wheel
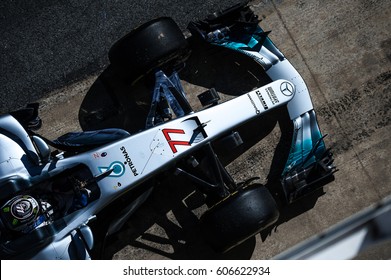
239, 217
158, 44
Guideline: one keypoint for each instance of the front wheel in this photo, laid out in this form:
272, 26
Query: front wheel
239, 217
157, 44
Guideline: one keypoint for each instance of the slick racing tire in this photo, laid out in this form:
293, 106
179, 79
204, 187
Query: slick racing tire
157, 44
239, 217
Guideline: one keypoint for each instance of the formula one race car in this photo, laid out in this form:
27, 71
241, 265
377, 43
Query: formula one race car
49, 196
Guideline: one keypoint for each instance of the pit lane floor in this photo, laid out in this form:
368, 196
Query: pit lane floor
343, 51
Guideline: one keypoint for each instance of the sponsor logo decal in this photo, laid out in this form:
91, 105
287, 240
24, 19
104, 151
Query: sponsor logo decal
128, 161
99, 155
117, 167
115, 187
287, 89
263, 102
253, 103
272, 95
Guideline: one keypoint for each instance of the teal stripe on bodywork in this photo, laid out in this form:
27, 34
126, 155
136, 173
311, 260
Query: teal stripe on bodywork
306, 138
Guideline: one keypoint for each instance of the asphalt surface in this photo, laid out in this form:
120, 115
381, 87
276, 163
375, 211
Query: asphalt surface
342, 50
46, 45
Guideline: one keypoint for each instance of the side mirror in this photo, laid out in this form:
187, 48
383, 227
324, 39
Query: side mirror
88, 237
42, 147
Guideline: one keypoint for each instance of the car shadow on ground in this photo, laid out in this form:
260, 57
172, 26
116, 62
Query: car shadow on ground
167, 224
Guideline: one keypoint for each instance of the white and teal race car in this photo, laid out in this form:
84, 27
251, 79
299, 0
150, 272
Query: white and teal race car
52, 190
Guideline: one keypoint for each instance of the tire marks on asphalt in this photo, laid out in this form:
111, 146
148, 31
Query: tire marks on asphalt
368, 105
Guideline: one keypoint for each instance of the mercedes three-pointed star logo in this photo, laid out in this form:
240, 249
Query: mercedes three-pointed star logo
287, 89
